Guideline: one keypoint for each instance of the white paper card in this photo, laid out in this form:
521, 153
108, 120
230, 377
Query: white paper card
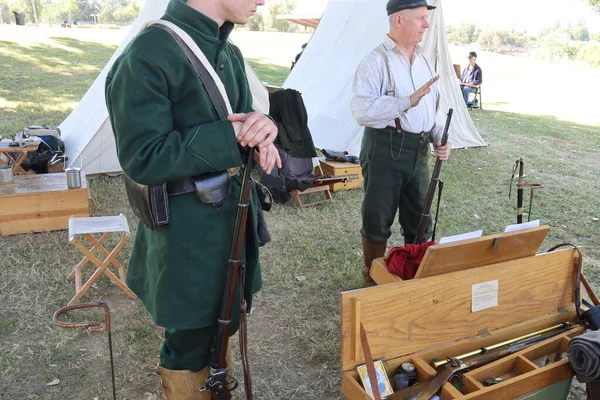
462, 236
525, 225
485, 295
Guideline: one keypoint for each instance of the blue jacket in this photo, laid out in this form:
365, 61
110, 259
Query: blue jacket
475, 77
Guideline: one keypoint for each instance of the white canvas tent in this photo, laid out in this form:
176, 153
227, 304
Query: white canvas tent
347, 32
87, 133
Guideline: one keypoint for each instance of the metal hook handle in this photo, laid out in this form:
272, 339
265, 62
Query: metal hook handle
93, 326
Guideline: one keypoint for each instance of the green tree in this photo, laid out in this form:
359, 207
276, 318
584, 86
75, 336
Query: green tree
122, 11
581, 33
85, 9
256, 22
595, 37
33, 9
280, 7
590, 52
556, 44
490, 40
463, 34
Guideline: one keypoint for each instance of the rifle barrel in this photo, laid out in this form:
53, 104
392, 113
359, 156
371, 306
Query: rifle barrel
483, 350
432, 185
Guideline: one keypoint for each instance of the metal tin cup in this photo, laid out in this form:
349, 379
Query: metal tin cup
73, 177
6, 174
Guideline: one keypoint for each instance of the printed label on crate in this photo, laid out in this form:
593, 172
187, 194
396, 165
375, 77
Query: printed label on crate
484, 295
352, 177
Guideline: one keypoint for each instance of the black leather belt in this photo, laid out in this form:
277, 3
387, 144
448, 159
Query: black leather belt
180, 187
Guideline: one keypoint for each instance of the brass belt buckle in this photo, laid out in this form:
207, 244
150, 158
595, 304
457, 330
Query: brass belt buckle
233, 171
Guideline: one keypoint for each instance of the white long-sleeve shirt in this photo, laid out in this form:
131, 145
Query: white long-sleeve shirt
373, 107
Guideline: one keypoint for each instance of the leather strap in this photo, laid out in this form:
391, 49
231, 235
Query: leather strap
182, 186
590, 292
369, 362
209, 82
578, 278
243, 337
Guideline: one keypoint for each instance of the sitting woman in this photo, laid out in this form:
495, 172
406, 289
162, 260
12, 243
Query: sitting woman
471, 77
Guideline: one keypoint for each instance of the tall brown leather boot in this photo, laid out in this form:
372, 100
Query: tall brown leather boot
184, 385
371, 251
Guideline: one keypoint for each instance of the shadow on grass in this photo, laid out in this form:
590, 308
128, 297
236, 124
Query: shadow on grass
41, 83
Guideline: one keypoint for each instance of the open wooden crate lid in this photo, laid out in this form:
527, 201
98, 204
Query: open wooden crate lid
450, 257
406, 317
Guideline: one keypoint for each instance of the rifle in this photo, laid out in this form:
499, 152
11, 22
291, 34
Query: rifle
435, 178
456, 364
218, 371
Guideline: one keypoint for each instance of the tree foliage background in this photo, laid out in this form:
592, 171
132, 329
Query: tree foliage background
54, 11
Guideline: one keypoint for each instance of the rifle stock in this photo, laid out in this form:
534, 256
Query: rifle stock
435, 178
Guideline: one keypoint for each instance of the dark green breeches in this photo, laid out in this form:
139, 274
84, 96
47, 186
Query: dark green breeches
396, 178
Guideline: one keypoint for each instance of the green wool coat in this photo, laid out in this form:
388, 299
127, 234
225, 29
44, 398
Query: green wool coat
166, 129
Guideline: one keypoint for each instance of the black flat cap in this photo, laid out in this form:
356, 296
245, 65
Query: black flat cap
393, 6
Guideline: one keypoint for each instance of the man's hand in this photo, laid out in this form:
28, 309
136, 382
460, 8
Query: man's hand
442, 152
253, 129
268, 158
416, 97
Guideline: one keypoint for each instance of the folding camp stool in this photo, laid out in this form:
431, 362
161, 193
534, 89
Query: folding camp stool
86, 227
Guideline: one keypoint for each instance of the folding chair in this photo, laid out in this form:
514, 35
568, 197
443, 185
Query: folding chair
86, 228
476, 98
299, 177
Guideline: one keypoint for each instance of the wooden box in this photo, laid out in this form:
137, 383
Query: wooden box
38, 203
351, 171
431, 318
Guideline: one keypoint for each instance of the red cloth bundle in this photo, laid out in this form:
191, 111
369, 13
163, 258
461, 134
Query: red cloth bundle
404, 261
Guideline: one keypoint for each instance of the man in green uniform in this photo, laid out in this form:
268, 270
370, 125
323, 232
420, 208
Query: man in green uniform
396, 81
166, 130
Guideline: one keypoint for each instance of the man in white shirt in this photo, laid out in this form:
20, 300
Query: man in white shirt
395, 87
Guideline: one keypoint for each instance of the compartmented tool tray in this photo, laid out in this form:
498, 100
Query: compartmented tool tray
432, 318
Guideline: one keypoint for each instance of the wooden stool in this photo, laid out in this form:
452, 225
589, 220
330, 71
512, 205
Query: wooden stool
87, 227
7, 151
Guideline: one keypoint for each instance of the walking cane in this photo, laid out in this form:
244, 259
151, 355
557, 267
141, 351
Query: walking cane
92, 327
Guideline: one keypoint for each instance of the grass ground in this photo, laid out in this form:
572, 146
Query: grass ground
315, 253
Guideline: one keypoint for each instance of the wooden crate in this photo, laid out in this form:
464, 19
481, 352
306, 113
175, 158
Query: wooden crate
352, 171
39, 203
431, 318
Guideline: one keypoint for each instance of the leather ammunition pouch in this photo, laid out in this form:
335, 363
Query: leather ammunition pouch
210, 188
150, 203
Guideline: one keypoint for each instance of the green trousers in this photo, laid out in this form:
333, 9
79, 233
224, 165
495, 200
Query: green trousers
187, 349
396, 178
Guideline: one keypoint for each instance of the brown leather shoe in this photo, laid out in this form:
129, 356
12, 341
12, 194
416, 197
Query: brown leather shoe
371, 251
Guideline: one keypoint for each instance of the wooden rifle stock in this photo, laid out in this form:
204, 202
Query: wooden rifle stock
435, 178
218, 371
